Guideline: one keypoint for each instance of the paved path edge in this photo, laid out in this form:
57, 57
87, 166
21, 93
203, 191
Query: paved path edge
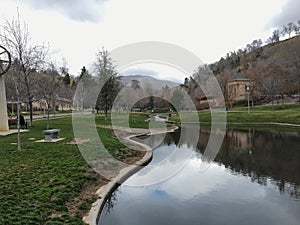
105, 191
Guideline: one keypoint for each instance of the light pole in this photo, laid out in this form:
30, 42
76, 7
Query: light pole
247, 87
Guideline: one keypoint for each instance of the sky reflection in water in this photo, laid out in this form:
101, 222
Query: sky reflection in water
254, 180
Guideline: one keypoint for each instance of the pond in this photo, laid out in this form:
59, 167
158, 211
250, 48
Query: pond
254, 179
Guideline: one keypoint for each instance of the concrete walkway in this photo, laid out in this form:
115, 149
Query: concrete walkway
14, 131
247, 124
58, 115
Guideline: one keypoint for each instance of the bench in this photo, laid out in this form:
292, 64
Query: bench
23, 123
51, 134
12, 122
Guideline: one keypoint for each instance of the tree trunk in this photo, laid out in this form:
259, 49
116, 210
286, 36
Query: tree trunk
48, 118
19, 126
272, 104
54, 107
31, 112
282, 100
252, 99
105, 112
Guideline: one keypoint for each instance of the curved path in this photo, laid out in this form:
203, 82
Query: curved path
105, 191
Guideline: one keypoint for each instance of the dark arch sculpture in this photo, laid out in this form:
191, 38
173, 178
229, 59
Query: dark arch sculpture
5, 60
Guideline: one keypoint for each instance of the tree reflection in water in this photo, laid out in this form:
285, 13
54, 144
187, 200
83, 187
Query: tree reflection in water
111, 202
264, 156
269, 158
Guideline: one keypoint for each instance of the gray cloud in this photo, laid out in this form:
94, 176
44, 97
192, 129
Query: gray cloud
290, 13
79, 10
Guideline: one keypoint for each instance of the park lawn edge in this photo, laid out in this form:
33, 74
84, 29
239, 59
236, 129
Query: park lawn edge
287, 117
73, 203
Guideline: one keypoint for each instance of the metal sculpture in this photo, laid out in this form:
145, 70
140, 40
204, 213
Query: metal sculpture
5, 60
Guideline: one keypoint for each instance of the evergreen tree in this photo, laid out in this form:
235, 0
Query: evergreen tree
108, 79
67, 79
177, 99
135, 84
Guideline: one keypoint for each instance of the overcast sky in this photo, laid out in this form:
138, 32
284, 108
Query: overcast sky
76, 29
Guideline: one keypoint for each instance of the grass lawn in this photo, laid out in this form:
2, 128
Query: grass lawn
50, 183
37, 182
259, 114
263, 114
136, 120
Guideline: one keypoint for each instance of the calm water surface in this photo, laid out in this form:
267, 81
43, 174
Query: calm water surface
255, 179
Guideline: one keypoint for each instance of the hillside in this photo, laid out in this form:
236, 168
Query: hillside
274, 69
284, 54
147, 81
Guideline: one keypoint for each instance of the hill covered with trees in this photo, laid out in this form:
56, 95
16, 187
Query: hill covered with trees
274, 68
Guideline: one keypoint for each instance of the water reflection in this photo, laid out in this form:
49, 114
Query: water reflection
261, 155
254, 180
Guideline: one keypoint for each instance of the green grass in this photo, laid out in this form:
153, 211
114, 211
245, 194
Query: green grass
268, 108
136, 120
259, 114
263, 114
37, 182
139, 120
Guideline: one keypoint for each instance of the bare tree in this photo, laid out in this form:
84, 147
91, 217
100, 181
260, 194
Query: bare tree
224, 78
253, 74
66, 89
297, 28
274, 81
150, 92
47, 89
274, 38
28, 57
288, 29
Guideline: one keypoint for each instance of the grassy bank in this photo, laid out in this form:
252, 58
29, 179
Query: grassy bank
264, 114
259, 114
50, 183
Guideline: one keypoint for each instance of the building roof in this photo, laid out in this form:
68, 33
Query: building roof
241, 79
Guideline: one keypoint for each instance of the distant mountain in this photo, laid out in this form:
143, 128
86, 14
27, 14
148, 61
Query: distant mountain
146, 81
